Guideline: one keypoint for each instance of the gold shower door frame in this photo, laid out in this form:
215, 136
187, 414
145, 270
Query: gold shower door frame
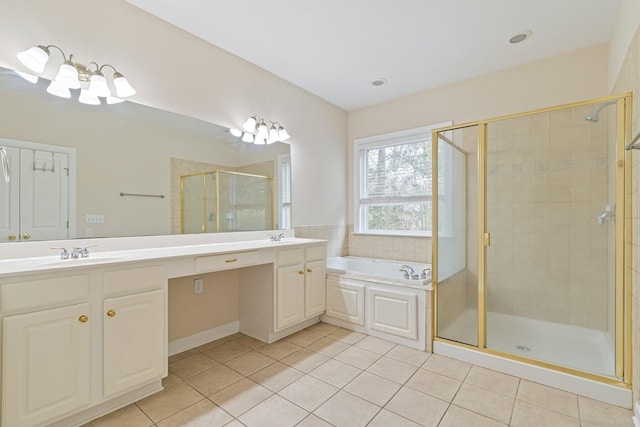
623, 240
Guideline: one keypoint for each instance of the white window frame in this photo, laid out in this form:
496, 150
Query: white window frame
360, 146
284, 207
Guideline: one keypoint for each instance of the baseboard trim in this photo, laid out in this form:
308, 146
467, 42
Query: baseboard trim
195, 340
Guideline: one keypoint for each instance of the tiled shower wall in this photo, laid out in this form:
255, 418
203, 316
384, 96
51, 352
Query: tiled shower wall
547, 182
628, 80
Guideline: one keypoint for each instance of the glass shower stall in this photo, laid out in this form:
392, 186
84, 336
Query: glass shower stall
532, 240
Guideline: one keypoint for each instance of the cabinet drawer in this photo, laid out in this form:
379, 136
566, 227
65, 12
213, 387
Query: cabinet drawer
226, 261
44, 293
132, 280
290, 257
314, 253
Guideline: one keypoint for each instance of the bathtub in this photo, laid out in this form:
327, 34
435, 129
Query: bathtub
373, 296
379, 270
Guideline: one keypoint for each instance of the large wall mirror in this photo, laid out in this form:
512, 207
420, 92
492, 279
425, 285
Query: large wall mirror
130, 161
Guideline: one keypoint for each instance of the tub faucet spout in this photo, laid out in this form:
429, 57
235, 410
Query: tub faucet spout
409, 273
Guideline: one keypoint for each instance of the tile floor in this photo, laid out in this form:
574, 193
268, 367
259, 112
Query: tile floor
328, 376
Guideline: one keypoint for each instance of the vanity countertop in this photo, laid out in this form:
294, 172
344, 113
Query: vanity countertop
10, 267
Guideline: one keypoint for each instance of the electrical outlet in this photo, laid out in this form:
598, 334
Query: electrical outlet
198, 286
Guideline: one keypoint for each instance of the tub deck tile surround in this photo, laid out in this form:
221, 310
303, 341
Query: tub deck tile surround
380, 389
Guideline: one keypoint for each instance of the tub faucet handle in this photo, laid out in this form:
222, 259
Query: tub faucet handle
409, 272
426, 273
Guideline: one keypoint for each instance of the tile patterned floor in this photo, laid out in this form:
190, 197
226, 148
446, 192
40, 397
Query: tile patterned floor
328, 376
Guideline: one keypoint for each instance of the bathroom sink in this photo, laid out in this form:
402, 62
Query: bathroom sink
57, 262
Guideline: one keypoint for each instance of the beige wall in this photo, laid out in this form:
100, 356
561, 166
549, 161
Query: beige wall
191, 313
563, 79
175, 71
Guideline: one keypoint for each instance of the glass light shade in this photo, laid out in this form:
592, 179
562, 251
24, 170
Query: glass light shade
34, 58
271, 140
283, 135
235, 132
58, 89
98, 85
123, 88
263, 131
259, 141
28, 77
273, 133
88, 98
250, 125
247, 137
113, 100
68, 76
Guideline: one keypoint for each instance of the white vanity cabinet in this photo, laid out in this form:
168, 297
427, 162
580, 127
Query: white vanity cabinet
134, 332
72, 343
46, 349
300, 285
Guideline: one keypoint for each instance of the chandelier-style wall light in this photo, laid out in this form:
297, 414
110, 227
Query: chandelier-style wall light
261, 131
72, 75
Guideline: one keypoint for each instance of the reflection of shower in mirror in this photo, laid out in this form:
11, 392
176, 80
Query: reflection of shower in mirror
4, 158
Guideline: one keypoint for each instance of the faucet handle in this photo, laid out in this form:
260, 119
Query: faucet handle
64, 254
84, 253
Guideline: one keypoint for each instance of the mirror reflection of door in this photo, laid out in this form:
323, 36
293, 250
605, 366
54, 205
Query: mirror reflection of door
36, 201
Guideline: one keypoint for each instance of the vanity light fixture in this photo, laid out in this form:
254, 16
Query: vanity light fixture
263, 131
72, 75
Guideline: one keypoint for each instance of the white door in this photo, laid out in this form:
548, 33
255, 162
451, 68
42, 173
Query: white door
133, 341
10, 199
314, 288
45, 364
289, 296
44, 195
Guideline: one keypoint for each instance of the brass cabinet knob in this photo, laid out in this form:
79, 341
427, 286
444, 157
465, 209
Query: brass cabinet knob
26, 236
309, 270
111, 313
83, 319
12, 237
300, 272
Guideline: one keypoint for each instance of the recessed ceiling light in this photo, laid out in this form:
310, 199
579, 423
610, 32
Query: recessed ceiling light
520, 37
379, 82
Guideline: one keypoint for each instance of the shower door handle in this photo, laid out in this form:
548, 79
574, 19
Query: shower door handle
487, 240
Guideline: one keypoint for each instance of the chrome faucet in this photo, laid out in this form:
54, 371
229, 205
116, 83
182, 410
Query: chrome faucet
76, 253
64, 254
605, 215
277, 237
426, 273
409, 273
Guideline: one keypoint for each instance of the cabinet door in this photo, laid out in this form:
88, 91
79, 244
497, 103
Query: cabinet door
134, 341
289, 296
345, 302
394, 313
10, 198
45, 364
314, 288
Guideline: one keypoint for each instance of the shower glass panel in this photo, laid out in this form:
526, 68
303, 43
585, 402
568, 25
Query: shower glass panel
221, 201
550, 277
457, 236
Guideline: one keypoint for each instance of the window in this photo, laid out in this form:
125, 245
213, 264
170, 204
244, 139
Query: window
284, 191
393, 183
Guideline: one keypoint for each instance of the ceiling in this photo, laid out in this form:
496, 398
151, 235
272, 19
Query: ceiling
336, 48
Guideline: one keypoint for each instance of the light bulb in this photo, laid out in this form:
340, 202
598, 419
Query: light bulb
34, 58
235, 132
68, 76
250, 124
98, 85
57, 89
123, 88
247, 137
88, 98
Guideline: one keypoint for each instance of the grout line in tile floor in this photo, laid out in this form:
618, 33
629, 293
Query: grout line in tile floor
329, 376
